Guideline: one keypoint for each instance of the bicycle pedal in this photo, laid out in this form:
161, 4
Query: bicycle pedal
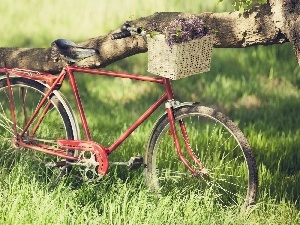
135, 162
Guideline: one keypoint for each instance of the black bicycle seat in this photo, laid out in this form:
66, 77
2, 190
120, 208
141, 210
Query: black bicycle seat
70, 50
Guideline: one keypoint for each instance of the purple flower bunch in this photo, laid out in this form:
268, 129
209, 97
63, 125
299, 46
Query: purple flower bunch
180, 30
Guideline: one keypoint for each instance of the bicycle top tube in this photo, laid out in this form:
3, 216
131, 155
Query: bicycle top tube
72, 68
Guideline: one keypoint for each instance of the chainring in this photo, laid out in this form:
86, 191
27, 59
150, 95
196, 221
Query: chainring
95, 163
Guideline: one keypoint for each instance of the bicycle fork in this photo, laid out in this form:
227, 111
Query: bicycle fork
170, 109
11, 103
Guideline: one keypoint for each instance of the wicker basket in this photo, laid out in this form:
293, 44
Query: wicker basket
182, 60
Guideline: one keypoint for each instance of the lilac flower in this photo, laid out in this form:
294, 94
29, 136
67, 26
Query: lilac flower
180, 30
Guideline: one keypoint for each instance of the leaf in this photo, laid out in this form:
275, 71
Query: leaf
262, 1
179, 29
241, 9
153, 33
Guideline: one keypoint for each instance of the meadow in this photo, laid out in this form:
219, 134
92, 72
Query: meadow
257, 87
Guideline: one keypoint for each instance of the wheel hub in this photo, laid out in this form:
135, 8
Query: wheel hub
15, 143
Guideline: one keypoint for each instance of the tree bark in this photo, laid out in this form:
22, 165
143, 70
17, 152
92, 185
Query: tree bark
273, 23
287, 21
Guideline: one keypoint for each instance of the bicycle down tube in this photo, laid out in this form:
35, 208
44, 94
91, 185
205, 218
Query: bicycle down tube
55, 83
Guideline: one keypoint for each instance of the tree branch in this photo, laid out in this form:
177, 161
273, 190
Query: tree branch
259, 26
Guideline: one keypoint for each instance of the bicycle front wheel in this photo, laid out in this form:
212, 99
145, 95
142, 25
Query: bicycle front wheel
229, 175
58, 121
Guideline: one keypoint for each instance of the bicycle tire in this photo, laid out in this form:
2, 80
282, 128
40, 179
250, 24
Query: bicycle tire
231, 174
59, 122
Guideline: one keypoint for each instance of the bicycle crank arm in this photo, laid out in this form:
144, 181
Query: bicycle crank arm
134, 162
56, 164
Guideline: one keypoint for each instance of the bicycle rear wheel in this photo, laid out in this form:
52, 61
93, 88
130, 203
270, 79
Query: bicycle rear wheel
229, 175
58, 122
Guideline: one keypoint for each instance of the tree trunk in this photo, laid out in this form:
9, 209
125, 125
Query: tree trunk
273, 23
287, 21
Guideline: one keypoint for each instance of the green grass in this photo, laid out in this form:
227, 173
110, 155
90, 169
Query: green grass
257, 87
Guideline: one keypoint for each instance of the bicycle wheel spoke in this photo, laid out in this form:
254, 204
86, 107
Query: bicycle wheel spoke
211, 136
230, 194
226, 163
164, 174
223, 143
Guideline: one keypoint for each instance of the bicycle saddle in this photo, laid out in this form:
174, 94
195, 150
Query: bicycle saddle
70, 50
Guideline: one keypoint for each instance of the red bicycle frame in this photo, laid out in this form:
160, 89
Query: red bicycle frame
168, 95
55, 82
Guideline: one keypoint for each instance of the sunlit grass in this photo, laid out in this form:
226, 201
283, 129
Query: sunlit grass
122, 202
257, 87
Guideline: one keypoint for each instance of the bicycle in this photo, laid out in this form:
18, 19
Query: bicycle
191, 147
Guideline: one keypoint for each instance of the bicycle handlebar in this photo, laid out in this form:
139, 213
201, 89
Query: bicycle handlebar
127, 31
120, 35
